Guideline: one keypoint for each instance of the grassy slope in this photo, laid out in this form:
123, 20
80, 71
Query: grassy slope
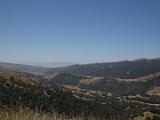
27, 114
48, 99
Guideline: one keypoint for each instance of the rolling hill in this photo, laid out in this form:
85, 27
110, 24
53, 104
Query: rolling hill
23, 68
123, 69
125, 89
117, 78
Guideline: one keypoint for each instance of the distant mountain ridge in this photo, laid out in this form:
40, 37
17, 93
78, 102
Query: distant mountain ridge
23, 68
122, 69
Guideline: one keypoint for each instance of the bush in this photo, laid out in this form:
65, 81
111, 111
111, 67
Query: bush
156, 118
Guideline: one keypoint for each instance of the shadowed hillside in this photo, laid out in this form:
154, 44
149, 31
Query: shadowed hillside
124, 69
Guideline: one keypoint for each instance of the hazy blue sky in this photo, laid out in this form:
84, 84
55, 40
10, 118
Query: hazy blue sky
79, 30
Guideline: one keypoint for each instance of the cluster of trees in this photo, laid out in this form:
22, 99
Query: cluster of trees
64, 79
123, 88
49, 99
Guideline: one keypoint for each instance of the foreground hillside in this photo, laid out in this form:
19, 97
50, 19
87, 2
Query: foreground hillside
67, 93
48, 99
15, 92
28, 114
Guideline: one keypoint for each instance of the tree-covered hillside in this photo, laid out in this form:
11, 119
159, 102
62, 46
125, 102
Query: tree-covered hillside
123, 69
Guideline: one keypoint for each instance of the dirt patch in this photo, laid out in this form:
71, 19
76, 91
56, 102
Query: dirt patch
154, 91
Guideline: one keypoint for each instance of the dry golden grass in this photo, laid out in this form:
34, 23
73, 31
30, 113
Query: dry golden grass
91, 80
27, 114
140, 79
